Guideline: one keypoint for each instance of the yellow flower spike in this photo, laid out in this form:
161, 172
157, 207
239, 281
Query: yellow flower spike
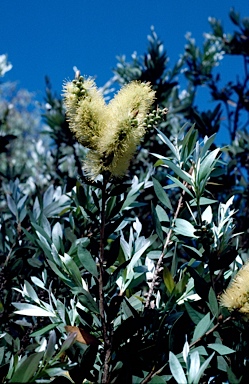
236, 296
86, 111
127, 112
111, 132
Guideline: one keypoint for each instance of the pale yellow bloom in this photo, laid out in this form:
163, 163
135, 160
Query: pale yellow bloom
111, 132
236, 296
86, 111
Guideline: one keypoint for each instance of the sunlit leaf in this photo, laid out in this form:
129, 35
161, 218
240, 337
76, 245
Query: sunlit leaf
202, 327
221, 349
176, 369
32, 310
185, 228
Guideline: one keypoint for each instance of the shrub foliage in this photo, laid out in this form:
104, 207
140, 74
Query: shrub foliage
108, 279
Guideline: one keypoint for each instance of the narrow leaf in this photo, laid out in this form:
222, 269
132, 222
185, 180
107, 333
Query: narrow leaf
221, 349
26, 370
176, 369
32, 310
194, 366
202, 327
168, 143
168, 280
87, 261
213, 303
202, 369
44, 330
194, 315
179, 172
161, 194
181, 185
185, 228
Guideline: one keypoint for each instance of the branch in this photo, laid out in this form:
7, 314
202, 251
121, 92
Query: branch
107, 339
210, 331
160, 260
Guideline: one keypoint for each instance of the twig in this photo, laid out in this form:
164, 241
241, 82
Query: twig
210, 331
107, 340
160, 260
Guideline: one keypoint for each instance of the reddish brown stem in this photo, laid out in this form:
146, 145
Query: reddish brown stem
106, 336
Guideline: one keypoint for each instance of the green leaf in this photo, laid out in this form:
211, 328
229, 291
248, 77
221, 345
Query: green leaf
222, 365
110, 205
221, 349
39, 283
57, 235
59, 273
166, 141
87, 300
194, 366
67, 344
161, 213
40, 231
45, 224
157, 223
202, 327
193, 249
30, 237
202, 201
235, 17
181, 185
176, 369
132, 195
194, 315
207, 144
48, 196
185, 228
50, 347
207, 164
188, 143
213, 303
1, 355
32, 310
158, 379
72, 268
31, 292
161, 194
87, 261
12, 205
178, 171
202, 369
139, 253
231, 376
56, 207
44, 330
168, 279
26, 370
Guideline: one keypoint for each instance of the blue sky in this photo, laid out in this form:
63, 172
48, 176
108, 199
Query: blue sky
49, 37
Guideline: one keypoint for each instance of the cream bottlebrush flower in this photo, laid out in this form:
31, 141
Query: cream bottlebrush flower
236, 296
111, 132
126, 127
86, 111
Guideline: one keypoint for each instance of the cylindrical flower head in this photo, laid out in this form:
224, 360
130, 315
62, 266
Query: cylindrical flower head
126, 127
111, 132
86, 111
236, 296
